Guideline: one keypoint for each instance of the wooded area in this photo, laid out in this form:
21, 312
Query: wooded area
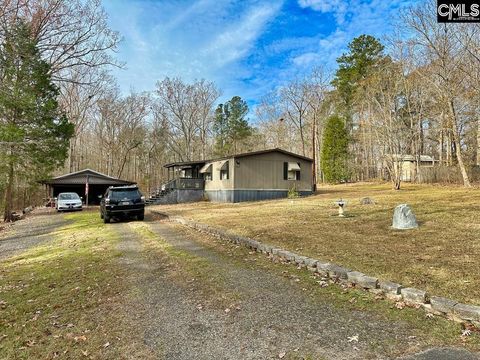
415, 93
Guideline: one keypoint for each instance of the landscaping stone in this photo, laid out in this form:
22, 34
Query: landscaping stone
286, 255
414, 296
404, 218
260, 248
300, 260
311, 264
389, 287
267, 249
367, 201
442, 305
322, 267
335, 271
275, 251
362, 280
467, 312
253, 244
353, 276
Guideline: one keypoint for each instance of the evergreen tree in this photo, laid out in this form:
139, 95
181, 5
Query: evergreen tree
335, 150
365, 52
34, 136
231, 127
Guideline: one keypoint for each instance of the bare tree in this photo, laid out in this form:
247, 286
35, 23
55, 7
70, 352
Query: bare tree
441, 56
389, 118
295, 106
78, 102
70, 34
206, 95
187, 109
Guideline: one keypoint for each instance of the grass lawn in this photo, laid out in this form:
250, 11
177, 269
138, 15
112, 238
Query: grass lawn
441, 256
64, 298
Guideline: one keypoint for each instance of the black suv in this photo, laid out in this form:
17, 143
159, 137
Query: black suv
122, 202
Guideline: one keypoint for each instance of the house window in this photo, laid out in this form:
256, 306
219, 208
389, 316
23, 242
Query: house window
291, 171
292, 175
224, 171
206, 170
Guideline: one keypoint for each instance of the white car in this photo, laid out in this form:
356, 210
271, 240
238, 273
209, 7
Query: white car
68, 202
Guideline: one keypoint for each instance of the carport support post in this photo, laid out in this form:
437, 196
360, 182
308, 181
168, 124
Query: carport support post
86, 192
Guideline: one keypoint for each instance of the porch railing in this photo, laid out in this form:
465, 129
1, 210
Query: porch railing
186, 183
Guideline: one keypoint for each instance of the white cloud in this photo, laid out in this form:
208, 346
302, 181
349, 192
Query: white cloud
338, 7
373, 17
306, 59
236, 41
206, 39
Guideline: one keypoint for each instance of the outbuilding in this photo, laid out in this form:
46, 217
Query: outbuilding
86, 183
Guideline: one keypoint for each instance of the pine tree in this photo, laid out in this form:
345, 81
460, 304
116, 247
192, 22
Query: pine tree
335, 150
365, 52
34, 136
231, 127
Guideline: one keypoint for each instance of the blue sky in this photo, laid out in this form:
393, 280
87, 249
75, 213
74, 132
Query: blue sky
247, 48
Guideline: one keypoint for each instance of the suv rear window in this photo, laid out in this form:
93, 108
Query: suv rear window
124, 194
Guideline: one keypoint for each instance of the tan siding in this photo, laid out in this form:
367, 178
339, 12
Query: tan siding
216, 183
265, 172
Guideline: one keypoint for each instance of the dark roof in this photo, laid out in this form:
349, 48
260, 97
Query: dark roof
252, 153
270, 151
185, 163
80, 177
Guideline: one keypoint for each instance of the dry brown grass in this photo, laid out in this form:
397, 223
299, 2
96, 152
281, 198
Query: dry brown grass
442, 256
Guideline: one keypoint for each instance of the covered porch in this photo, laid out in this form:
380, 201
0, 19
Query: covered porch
185, 175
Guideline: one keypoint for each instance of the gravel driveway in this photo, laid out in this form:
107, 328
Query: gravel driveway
24, 234
274, 318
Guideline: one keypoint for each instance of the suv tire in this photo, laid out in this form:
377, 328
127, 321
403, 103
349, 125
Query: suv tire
106, 219
141, 217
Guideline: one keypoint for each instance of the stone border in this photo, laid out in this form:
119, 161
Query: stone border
450, 309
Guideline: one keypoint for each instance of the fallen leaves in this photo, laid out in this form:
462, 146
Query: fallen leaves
80, 338
322, 283
30, 343
400, 305
353, 338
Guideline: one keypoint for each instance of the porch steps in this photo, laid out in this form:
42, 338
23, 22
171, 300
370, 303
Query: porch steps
155, 197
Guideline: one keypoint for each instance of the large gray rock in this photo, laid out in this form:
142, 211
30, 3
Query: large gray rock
404, 218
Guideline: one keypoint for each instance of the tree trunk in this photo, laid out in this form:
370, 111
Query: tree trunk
478, 142
397, 174
458, 150
7, 215
302, 139
440, 150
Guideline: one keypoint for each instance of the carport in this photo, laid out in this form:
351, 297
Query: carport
82, 181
